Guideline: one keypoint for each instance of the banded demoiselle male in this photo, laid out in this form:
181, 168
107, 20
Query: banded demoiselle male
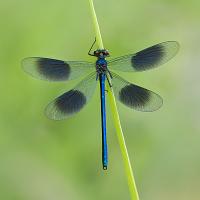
129, 94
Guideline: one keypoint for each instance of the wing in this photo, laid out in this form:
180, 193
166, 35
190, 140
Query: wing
55, 70
146, 59
135, 96
72, 101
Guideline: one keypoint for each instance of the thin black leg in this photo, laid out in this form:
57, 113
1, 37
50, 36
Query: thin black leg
89, 52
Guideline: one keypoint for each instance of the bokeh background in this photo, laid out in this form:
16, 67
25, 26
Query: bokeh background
42, 159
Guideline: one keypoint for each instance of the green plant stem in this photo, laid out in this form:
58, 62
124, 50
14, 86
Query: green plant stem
122, 144
120, 136
96, 26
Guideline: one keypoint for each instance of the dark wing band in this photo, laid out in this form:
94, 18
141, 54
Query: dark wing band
55, 70
135, 96
146, 59
72, 101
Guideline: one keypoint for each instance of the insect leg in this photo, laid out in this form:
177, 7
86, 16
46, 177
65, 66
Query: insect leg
109, 80
89, 52
110, 74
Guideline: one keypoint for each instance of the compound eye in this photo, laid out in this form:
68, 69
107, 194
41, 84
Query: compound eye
106, 53
96, 53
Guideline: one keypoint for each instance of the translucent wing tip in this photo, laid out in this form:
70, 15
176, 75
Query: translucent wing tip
171, 48
154, 104
30, 66
25, 62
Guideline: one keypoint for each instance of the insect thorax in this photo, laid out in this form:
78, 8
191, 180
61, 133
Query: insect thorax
101, 65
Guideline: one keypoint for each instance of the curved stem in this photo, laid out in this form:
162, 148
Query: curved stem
96, 26
120, 136
122, 144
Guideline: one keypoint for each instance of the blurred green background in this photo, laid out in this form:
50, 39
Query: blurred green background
42, 159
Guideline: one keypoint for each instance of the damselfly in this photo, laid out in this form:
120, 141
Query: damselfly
129, 94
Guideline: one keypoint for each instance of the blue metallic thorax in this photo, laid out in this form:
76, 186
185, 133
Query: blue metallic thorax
101, 64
